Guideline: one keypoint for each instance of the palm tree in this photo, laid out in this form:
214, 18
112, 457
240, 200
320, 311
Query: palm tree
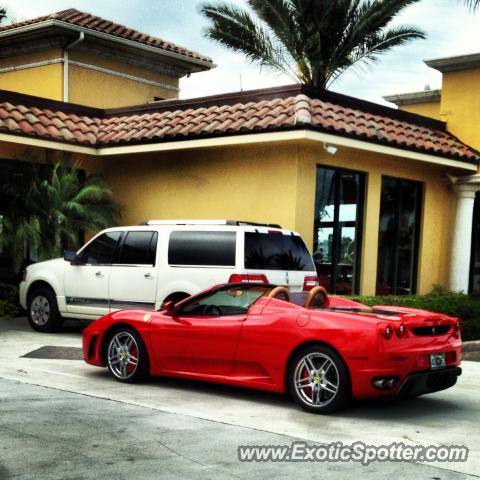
50, 212
312, 41
473, 4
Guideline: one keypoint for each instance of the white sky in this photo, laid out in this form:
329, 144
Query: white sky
451, 28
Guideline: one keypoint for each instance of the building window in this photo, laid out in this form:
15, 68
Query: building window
338, 228
399, 232
475, 257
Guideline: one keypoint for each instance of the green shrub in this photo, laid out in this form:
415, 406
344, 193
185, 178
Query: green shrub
465, 307
9, 306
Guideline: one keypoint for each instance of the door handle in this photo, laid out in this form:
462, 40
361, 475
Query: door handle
148, 276
99, 274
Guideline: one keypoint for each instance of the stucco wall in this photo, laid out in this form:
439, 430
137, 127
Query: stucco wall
45, 81
245, 183
461, 105
87, 87
98, 89
427, 109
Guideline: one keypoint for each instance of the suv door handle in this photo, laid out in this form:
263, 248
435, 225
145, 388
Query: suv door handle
148, 276
99, 274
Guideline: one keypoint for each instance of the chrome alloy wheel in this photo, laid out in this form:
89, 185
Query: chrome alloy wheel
40, 310
123, 355
316, 379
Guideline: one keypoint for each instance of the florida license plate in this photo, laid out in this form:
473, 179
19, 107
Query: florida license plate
437, 360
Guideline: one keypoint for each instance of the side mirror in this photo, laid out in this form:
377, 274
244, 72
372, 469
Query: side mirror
169, 308
71, 256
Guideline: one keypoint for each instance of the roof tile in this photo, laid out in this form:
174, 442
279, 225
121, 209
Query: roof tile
92, 22
162, 123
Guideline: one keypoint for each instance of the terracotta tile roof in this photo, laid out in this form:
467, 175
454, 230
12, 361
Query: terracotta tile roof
277, 109
92, 22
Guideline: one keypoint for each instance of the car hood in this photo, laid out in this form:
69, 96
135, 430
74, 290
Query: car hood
46, 263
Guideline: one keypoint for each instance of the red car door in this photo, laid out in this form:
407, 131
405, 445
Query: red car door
201, 334
196, 344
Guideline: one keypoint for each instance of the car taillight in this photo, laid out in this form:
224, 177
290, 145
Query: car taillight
401, 330
247, 278
386, 330
310, 282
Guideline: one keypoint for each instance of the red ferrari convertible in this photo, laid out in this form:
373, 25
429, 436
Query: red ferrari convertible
322, 349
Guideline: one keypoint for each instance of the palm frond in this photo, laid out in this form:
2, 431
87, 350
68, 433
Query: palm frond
53, 209
239, 31
316, 39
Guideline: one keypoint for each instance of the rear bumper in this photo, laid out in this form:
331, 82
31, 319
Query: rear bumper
429, 382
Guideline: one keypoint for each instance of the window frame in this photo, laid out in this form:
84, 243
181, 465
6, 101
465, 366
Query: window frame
118, 253
115, 250
201, 296
419, 209
336, 225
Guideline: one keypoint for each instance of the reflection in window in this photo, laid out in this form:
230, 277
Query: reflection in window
475, 258
338, 220
275, 251
398, 236
101, 250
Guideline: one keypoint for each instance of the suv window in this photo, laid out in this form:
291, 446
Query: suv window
139, 248
101, 250
275, 251
202, 248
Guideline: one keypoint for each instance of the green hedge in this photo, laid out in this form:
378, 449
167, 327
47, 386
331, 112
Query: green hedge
9, 306
453, 304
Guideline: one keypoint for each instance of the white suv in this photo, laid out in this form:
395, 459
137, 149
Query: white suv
143, 266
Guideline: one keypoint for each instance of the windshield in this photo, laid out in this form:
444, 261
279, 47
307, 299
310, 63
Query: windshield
227, 301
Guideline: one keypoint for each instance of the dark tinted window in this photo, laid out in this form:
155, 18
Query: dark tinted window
202, 248
275, 251
399, 235
101, 250
139, 248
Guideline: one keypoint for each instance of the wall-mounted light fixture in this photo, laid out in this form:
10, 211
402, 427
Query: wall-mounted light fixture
330, 149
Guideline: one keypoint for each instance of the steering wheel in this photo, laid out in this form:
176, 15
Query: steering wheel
314, 293
212, 310
278, 292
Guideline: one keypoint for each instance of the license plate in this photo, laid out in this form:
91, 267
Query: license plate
437, 360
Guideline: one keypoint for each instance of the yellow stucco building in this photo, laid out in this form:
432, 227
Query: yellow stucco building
381, 196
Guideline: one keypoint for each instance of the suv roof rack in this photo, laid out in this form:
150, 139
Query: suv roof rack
210, 222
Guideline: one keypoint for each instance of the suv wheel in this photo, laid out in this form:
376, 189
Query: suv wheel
42, 310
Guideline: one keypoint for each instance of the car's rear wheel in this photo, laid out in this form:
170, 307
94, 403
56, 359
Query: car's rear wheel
42, 310
319, 380
126, 356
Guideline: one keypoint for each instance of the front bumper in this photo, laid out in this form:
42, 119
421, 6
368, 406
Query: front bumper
428, 382
22, 294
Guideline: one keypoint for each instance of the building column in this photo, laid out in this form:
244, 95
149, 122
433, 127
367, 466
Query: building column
462, 236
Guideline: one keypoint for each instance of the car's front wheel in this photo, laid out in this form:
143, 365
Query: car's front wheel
318, 380
42, 310
127, 357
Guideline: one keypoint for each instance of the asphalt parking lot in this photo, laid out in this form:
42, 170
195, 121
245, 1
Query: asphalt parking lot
62, 419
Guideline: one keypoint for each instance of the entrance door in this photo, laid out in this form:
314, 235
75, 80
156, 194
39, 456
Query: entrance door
475, 257
338, 228
399, 233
